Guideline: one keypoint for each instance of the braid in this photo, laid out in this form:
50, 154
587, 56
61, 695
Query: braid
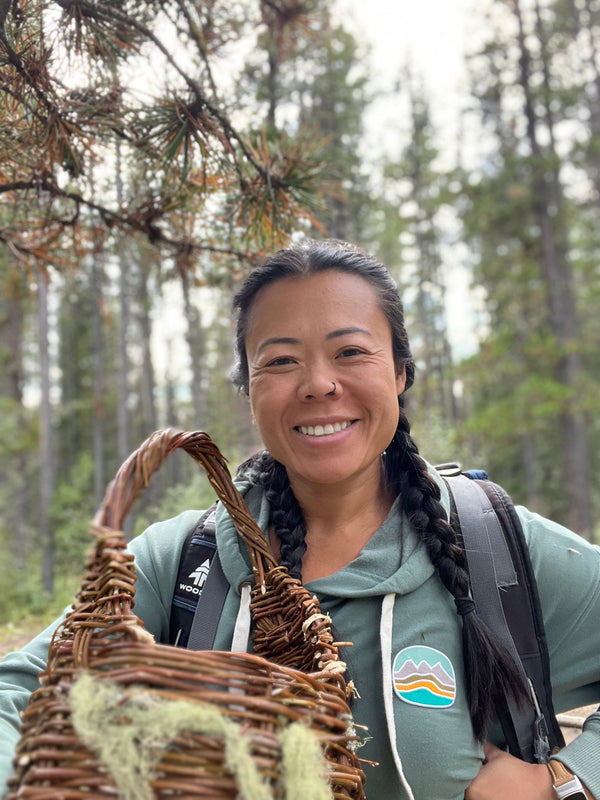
286, 514
491, 673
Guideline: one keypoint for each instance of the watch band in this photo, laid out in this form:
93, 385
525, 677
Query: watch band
565, 783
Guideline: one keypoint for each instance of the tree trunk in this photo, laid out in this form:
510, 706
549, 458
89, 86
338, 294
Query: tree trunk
531, 490
99, 379
14, 467
194, 339
154, 490
591, 27
47, 477
147, 376
123, 423
172, 416
123, 446
547, 192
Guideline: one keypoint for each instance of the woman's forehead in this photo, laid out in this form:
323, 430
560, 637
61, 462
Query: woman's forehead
331, 289
327, 303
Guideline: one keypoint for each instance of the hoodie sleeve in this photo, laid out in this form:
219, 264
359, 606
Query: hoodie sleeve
567, 569
157, 553
18, 679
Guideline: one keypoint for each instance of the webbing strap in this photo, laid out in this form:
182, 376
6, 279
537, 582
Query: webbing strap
210, 603
485, 545
491, 567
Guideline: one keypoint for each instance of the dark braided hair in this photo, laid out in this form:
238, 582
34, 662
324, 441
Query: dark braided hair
491, 673
286, 515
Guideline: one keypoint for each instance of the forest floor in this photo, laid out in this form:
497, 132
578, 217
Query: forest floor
13, 637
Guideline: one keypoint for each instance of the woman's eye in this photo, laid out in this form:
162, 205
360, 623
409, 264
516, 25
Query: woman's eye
280, 361
348, 352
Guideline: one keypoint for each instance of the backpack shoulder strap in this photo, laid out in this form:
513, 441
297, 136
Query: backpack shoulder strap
505, 595
200, 588
527, 629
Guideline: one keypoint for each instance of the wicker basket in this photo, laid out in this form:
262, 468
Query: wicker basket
294, 675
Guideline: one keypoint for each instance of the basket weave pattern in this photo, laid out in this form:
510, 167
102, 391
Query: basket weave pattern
293, 675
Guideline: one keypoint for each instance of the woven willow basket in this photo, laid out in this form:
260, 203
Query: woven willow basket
251, 700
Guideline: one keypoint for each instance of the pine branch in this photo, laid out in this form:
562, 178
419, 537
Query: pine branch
134, 221
100, 10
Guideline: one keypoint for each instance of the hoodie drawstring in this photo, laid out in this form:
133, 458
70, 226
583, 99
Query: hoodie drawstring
241, 632
385, 635
241, 636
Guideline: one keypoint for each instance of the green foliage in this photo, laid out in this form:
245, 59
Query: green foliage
412, 202
85, 93
316, 85
194, 492
22, 596
18, 428
437, 441
71, 512
526, 214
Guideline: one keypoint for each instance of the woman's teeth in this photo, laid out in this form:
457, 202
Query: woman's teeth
323, 430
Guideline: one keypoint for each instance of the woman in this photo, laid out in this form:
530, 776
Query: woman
350, 507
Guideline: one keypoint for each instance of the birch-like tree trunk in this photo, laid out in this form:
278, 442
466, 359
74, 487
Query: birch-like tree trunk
147, 378
124, 444
99, 390
47, 479
194, 340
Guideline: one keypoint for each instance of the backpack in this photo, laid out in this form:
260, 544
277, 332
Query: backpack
502, 583
193, 624
504, 590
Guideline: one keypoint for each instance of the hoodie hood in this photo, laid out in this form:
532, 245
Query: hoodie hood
372, 573
232, 550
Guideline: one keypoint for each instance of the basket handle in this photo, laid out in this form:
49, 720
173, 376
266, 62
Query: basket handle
289, 626
135, 473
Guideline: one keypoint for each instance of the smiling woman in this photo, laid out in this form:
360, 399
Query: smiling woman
324, 390
324, 387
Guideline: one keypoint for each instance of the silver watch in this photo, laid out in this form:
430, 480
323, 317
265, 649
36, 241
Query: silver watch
565, 783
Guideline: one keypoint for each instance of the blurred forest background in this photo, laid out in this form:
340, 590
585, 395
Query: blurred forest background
151, 151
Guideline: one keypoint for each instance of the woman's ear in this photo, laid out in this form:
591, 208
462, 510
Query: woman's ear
401, 379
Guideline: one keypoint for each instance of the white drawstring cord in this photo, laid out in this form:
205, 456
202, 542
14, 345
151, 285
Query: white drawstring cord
385, 635
241, 632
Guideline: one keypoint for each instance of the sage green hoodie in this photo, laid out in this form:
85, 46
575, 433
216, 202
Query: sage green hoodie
406, 659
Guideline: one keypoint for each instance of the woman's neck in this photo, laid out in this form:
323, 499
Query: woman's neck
339, 523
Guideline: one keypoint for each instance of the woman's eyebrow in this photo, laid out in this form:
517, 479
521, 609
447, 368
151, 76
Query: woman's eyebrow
292, 340
277, 340
346, 331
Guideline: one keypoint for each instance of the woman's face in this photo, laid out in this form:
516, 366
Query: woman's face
306, 334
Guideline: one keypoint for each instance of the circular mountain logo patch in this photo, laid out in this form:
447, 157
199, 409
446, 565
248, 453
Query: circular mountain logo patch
424, 677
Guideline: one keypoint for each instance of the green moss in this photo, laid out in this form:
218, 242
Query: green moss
131, 729
304, 765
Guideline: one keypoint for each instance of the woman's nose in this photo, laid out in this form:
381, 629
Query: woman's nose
318, 386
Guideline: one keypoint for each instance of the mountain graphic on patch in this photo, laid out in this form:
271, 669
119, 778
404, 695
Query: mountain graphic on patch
428, 682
